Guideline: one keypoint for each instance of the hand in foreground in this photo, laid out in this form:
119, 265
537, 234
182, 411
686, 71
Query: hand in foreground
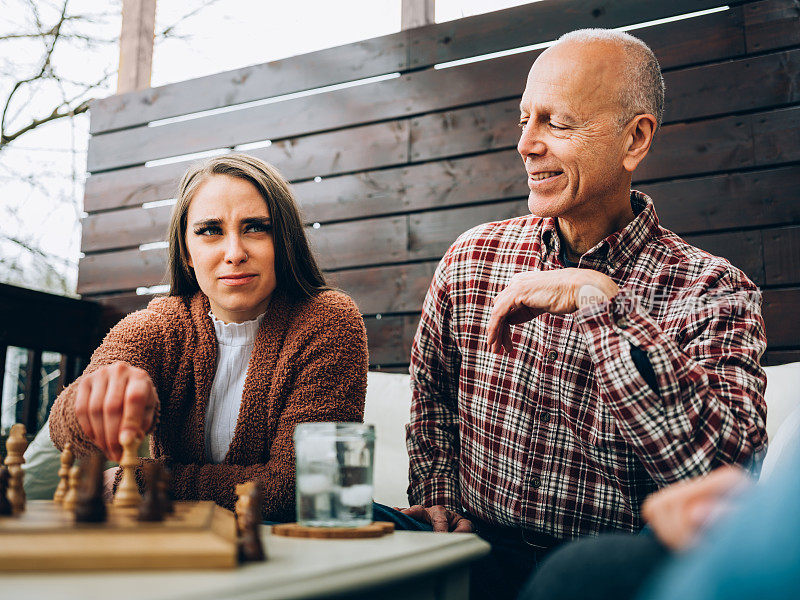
112, 399
533, 293
679, 512
441, 518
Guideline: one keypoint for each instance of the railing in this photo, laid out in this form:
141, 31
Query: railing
45, 342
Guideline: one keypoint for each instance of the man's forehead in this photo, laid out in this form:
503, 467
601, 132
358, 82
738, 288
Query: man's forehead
578, 73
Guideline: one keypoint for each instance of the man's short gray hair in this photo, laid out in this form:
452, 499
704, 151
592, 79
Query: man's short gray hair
643, 87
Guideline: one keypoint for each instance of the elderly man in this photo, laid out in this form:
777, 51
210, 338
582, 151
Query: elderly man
571, 361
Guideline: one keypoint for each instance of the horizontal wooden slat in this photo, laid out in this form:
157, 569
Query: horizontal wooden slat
772, 24
782, 256
411, 49
780, 357
748, 199
390, 339
703, 91
780, 309
391, 289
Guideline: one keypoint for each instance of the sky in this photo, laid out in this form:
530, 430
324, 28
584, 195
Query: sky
228, 34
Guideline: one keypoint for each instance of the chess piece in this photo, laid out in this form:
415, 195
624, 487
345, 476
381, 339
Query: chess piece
248, 520
74, 482
5, 505
15, 448
67, 458
151, 507
89, 505
127, 495
165, 495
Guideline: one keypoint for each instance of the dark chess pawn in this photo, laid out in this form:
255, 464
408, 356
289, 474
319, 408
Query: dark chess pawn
89, 506
165, 496
152, 507
5, 505
249, 511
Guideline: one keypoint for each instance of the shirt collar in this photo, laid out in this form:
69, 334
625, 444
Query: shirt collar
617, 248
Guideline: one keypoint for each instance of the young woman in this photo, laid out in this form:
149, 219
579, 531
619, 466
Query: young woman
249, 343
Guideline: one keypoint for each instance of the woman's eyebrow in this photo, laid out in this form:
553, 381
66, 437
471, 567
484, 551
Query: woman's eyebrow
206, 222
256, 220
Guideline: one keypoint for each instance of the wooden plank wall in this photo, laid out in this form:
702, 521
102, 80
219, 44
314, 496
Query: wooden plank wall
390, 172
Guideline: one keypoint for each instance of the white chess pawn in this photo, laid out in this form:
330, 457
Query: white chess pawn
67, 459
15, 448
71, 497
127, 495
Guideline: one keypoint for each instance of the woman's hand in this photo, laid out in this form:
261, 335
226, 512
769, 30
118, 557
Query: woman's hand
112, 399
680, 512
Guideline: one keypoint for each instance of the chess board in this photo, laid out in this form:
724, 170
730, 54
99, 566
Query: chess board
199, 535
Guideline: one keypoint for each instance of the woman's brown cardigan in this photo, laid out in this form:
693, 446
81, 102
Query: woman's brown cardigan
309, 363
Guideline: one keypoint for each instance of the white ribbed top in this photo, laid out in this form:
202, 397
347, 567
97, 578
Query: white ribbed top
234, 347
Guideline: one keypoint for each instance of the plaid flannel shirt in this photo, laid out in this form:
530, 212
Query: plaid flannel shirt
564, 436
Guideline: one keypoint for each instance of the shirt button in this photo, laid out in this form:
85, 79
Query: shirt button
552, 355
545, 417
536, 483
621, 322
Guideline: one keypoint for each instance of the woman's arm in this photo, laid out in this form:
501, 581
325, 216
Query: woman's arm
327, 382
116, 391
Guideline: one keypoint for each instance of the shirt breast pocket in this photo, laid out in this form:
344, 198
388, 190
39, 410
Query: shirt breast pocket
591, 421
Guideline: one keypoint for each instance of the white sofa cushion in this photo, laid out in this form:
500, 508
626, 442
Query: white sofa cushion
783, 413
388, 408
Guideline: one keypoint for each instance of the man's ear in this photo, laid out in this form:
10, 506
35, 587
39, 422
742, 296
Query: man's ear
638, 141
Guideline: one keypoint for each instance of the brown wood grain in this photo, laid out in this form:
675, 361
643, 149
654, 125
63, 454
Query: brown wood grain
782, 256
392, 240
779, 308
702, 91
425, 46
724, 144
772, 24
734, 200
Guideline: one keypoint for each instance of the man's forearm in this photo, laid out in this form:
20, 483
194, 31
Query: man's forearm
706, 407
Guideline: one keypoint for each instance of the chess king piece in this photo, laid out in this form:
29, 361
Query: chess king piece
5, 505
152, 506
248, 520
15, 448
127, 495
74, 482
67, 458
89, 505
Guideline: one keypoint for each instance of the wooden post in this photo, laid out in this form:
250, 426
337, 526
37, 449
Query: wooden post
136, 45
416, 13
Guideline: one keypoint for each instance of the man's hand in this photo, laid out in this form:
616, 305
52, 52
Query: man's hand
114, 398
531, 294
679, 512
439, 517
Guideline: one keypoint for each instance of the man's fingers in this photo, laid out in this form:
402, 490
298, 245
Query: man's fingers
417, 512
439, 520
463, 525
